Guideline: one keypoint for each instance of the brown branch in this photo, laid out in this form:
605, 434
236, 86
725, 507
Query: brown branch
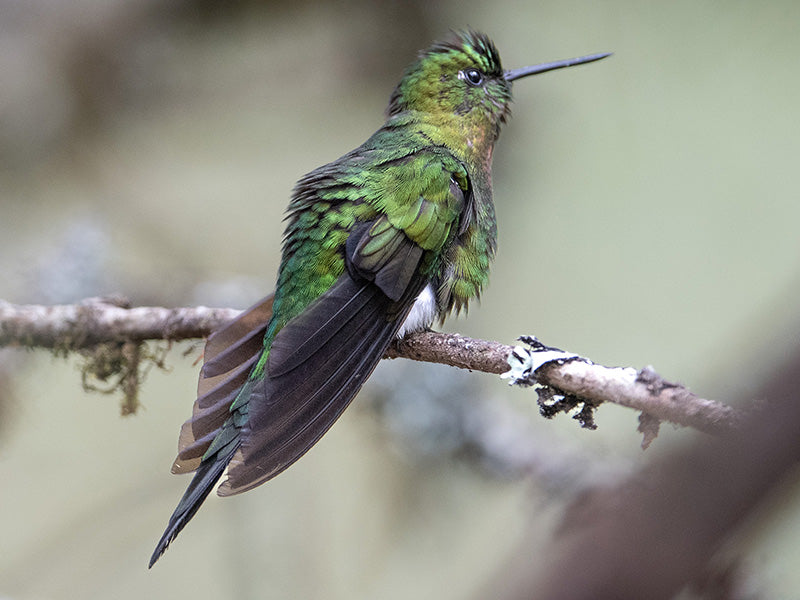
642, 390
97, 321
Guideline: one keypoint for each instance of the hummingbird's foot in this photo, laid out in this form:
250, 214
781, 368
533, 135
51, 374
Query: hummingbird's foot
403, 338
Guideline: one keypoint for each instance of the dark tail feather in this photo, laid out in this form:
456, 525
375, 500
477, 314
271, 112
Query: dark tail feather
207, 475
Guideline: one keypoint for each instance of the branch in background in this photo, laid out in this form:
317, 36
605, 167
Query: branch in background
96, 322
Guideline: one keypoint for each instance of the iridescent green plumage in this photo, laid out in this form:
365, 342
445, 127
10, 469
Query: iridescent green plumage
382, 241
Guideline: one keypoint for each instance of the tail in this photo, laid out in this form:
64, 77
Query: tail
207, 475
229, 355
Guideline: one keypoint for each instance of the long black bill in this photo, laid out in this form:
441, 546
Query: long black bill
550, 66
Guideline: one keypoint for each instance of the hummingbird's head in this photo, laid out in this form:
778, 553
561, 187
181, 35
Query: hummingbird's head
460, 76
460, 88
460, 80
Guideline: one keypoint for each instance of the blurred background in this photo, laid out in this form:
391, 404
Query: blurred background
647, 210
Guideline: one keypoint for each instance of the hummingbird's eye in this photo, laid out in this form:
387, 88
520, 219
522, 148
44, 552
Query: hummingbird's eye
473, 76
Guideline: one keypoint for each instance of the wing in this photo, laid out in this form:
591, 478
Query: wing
317, 363
321, 358
229, 355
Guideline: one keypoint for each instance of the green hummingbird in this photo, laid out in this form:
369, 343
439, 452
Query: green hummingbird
379, 243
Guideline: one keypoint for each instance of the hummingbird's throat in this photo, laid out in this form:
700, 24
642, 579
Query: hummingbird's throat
479, 146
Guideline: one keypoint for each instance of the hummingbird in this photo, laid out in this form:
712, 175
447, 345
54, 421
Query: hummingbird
379, 243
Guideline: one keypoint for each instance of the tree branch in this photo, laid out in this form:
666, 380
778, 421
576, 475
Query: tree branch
642, 390
97, 321
102, 320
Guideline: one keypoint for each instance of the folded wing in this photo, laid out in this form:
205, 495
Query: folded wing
320, 360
